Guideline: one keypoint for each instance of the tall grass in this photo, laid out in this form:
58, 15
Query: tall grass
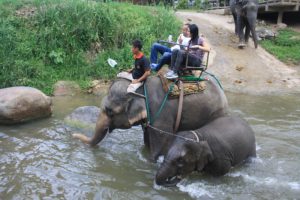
286, 46
72, 39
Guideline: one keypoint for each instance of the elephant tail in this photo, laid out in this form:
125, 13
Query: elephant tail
82, 137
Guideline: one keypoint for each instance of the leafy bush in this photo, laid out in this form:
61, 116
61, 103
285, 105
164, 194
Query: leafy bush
72, 39
182, 4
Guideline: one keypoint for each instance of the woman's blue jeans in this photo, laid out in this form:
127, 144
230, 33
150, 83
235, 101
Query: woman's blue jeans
158, 48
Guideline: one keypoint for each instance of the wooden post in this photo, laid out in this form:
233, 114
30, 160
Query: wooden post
280, 16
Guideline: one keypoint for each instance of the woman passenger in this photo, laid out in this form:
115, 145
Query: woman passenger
197, 47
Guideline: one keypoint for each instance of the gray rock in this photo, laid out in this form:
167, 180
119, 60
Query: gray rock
83, 117
99, 88
281, 26
21, 104
264, 33
66, 88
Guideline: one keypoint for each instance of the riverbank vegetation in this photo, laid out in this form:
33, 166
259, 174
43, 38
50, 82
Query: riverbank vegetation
286, 46
50, 40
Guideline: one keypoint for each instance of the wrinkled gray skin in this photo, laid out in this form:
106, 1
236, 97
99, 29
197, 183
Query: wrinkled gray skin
244, 15
121, 110
224, 142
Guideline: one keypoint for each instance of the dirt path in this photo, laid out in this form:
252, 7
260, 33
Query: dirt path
251, 71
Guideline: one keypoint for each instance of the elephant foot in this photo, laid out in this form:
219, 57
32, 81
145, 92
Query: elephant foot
241, 45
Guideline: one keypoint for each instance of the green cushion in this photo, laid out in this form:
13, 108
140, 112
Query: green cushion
191, 78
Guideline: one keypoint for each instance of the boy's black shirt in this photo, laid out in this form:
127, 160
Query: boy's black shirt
140, 66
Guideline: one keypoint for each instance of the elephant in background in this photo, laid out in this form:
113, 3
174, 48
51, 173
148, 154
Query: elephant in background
244, 14
122, 110
216, 147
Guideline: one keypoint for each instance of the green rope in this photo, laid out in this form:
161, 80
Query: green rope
212, 75
164, 101
161, 106
147, 104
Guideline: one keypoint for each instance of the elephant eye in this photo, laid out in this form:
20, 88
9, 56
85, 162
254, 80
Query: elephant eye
180, 162
109, 112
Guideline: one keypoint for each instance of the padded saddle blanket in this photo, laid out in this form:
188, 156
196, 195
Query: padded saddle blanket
188, 87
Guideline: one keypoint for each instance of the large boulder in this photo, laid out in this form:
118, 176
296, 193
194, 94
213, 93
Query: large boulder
21, 104
83, 117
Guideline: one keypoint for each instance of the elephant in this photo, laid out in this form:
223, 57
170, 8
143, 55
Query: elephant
244, 14
123, 110
214, 148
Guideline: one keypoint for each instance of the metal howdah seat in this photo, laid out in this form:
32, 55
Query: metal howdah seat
185, 73
187, 76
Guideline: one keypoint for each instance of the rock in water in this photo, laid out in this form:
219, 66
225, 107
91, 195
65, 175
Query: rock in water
83, 117
21, 104
66, 88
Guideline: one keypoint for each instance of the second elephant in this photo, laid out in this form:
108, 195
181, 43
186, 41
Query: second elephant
214, 148
244, 14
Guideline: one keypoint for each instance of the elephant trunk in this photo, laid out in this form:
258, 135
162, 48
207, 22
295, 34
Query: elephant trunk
101, 130
254, 35
251, 16
166, 175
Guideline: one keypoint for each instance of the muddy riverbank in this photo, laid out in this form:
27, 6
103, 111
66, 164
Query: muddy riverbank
249, 71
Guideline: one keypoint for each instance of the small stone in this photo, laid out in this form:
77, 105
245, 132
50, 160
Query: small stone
281, 26
66, 88
239, 67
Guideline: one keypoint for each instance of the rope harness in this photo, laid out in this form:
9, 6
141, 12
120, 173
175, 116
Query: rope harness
175, 135
150, 121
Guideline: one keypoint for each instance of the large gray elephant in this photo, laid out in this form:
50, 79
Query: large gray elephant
244, 14
215, 148
122, 110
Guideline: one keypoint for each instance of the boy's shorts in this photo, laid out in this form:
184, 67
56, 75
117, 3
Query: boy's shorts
132, 86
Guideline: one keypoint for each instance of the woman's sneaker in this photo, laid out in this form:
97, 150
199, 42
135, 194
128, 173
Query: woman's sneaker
171, 75
153, 66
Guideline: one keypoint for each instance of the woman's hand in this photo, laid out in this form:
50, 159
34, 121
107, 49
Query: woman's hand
134, 81
195, 47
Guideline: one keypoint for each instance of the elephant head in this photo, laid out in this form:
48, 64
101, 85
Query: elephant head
119, 110
183, 158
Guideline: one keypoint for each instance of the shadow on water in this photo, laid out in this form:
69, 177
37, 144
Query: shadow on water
42, 160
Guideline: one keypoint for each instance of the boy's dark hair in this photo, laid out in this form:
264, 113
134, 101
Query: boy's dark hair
137, 44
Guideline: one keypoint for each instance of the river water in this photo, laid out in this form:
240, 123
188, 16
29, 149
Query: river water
40, 160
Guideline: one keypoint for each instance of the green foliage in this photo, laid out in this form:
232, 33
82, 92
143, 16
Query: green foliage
72, 39
286, 46
182, 4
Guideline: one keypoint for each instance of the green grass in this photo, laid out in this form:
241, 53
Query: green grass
286, 46
53, 44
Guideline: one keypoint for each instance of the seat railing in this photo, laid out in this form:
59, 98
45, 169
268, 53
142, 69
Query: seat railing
203, 66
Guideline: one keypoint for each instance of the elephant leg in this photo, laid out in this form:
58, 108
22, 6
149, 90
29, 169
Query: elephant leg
235, 24
241, 32
218, 167
146, 137
247, 33
252, 22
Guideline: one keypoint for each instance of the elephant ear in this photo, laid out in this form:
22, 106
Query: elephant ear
136, 110
205, 155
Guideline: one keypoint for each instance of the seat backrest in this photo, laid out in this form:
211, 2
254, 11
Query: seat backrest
203, 66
